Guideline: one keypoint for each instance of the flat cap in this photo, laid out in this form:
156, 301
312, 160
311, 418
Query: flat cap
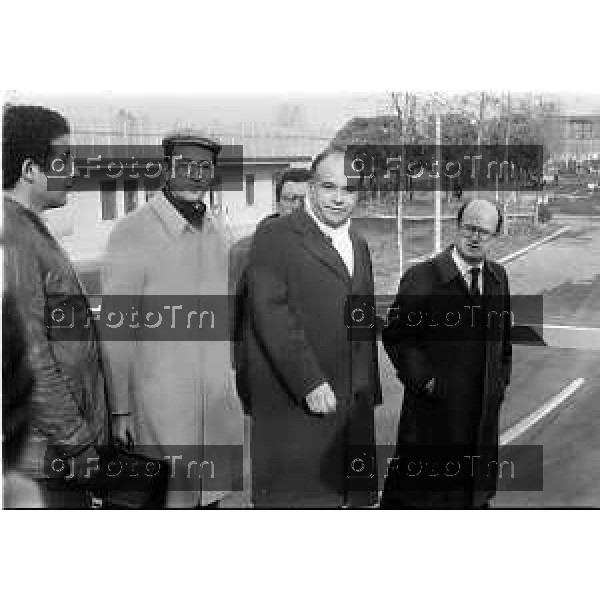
190, 137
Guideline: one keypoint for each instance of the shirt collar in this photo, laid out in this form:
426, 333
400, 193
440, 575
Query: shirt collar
463, 266
331, 232
173, 220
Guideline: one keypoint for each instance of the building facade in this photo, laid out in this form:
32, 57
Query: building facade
85, 223
579, 140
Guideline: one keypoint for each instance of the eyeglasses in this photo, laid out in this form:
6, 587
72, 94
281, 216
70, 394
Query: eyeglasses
471, 230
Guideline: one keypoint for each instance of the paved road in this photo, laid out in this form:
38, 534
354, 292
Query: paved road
570, 435
567, 272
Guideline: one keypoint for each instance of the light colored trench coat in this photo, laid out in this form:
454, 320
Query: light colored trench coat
181, 393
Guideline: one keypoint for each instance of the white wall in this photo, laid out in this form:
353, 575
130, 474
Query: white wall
83, 233
239, 214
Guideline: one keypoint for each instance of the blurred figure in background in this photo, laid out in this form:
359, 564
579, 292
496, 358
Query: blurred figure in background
291, 190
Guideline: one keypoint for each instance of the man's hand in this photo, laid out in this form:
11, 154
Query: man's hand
123, 430
321, 400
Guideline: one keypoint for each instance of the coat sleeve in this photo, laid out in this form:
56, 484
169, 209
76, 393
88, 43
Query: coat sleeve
506, 340
278, 329
238, 300
55, 409
406, 353
122, 275
378, 394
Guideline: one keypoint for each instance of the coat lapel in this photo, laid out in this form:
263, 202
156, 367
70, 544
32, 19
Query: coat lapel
319, 246
491, 279
449, 271
360, 277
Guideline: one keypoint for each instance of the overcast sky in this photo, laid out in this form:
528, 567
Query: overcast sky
327, 113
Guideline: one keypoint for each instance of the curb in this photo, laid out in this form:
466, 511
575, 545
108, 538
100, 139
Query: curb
519, 253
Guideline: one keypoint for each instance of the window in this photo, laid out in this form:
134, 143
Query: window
130, 188
108, 198
582, 130
249, 190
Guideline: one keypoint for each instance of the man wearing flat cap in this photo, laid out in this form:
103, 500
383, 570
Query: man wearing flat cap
175, 396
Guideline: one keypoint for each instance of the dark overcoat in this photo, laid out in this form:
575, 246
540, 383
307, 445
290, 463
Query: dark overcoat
471, 365
297, 338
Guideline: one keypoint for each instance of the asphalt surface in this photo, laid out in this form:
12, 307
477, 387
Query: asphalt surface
566, 272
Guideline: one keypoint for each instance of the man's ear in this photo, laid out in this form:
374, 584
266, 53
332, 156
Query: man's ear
29, 170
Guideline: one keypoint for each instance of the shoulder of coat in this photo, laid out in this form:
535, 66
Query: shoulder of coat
272, 225
133, 228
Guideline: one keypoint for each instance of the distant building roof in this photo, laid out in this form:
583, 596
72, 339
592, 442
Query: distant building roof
258, 146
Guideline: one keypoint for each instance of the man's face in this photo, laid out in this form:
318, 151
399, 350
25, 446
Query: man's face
51, 192
190, 172
332, 198
477, 230
293, 194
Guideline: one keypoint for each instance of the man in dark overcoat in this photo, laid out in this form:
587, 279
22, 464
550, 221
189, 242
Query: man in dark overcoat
454, 373
313, 388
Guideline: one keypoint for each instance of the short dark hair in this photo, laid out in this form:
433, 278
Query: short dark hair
27, 132
294, 174
464, 205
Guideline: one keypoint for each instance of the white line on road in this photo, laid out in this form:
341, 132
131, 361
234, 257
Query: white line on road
522, 426
522, 251
420, 258
570, 327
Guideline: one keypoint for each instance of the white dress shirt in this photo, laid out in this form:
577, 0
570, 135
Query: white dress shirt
340, 238
465, 269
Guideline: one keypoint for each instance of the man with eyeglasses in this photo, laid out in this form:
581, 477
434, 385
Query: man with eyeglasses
448, 337
312, 387
175, 397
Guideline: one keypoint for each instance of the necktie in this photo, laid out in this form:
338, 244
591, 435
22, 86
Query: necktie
475, 280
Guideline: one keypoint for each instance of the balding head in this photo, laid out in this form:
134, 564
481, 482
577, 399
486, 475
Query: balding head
478, 222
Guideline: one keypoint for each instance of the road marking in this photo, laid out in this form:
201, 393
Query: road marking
522, 251
550, 326
571, 327
523, 425
419, 258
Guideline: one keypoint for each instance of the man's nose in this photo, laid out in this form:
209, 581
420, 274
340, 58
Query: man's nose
339, 197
